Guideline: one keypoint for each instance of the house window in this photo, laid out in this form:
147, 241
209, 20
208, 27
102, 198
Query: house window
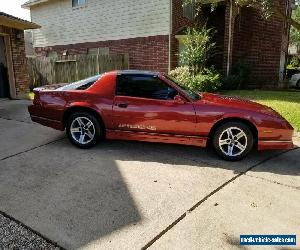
98, 51
189, 11
181, 47
78, 3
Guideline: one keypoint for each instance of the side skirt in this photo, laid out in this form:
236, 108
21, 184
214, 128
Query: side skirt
156, 137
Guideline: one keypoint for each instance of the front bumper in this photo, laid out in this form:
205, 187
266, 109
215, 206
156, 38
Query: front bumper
275, 145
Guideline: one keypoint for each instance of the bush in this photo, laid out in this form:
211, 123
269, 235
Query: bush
198, 48
238, 77
293, 63
231, 82
207, 81
181, 74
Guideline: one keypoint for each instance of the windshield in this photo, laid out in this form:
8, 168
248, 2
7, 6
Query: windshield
193, 95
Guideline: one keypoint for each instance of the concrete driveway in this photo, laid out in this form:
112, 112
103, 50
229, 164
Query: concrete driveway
133, 195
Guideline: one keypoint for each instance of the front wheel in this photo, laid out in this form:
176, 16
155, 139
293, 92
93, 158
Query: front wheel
83, 130
233, 141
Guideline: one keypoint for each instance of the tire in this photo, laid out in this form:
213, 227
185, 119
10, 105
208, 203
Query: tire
298, 84
83, 130
233, 141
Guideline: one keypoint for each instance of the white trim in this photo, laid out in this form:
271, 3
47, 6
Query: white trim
230, 43
275, 141
179, 37
170, 35
29, 4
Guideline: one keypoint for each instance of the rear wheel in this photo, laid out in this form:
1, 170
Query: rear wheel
233, 141
83, 130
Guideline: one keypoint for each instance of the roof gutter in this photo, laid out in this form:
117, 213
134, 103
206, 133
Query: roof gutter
31, 3
16, 23
170, 35
230, 39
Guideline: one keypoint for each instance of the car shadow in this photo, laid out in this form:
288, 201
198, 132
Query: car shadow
173, 154
71, 196
77, 197
15, 110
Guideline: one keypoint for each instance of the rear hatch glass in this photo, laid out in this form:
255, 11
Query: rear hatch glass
82, 84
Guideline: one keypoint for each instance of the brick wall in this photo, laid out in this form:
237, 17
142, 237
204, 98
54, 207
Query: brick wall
145, 53
257, 43
19, 62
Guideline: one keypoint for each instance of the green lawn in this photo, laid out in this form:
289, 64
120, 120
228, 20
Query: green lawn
286, 103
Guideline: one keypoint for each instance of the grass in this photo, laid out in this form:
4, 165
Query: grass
286, 103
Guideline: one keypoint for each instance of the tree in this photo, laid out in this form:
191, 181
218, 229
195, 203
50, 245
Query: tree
295, 34
198, 48
266, 7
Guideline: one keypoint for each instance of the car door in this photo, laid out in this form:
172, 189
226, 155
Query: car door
145, 103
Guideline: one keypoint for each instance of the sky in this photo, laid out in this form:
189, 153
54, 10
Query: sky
13, 7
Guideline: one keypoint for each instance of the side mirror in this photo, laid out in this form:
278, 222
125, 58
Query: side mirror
179, 99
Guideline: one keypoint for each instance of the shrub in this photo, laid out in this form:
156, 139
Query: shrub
207, 81
198, 48
242, 71
231, 82
293, 63
181, 74
238, 77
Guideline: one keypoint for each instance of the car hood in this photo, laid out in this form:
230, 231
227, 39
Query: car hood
235, 102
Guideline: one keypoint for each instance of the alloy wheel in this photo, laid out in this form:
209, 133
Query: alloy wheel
233, 142
82, 130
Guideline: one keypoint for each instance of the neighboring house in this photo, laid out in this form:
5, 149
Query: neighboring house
151, 31
13, 73
29, 49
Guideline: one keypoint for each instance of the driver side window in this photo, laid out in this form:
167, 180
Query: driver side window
144, 86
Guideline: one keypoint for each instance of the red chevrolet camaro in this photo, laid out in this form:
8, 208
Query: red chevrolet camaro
153, 107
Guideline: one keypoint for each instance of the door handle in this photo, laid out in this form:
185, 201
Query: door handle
123, 105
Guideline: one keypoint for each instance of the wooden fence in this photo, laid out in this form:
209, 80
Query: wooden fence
66, 69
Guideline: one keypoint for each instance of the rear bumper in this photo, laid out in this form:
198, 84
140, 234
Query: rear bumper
275, 145
36, 115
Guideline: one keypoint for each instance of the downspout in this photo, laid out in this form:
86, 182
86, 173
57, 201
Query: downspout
285, 38
230, 43
170, 34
